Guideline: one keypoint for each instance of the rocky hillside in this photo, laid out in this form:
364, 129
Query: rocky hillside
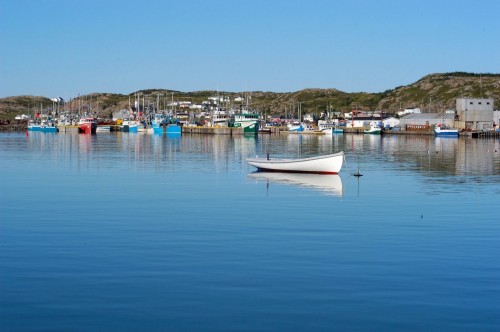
435, 92
439, 91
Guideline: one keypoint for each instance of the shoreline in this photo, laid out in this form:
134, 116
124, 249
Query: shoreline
21, 126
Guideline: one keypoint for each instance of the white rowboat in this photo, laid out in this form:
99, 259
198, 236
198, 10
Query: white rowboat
329, 164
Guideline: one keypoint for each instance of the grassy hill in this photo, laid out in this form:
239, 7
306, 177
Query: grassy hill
435, 92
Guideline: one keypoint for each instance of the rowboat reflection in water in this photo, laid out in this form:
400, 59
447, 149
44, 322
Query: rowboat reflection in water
330, 184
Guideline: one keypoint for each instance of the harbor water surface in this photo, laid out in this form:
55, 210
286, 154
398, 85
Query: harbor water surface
138, 232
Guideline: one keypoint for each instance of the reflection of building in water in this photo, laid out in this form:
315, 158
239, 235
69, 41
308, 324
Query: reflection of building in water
439, 156
474, 113
464, 156
477, 157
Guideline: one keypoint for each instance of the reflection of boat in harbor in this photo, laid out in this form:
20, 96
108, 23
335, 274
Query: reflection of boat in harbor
103, 129
329, 164
328, 183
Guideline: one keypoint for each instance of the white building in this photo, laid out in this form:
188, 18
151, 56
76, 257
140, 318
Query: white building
411, 110
390, 122
496, 119
308, 117
474, 113
218, 100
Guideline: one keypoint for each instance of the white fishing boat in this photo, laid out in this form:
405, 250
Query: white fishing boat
333, 131
220, 119
328, 164
330, 184
34, 126
294, 127
129, 126
445, 131
48, 126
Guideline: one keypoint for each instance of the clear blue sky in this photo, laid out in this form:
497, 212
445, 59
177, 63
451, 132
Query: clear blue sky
65, 48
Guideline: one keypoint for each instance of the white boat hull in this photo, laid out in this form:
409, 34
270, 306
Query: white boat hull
451, 132
329, 164
374, 130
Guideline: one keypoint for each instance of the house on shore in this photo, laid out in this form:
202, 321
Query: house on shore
360, 119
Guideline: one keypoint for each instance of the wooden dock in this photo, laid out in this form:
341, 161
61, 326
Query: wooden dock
485, 134
212, 130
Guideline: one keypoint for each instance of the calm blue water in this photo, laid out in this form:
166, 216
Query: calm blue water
132, 232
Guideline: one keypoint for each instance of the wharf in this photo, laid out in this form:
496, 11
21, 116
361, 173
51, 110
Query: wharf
68, 129
484, 134
306, 132
408, 132
225, 130
390, 132
212, 130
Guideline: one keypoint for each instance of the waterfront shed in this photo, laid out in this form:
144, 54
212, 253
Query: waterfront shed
496, 119
390, 122
475, 113
427, 119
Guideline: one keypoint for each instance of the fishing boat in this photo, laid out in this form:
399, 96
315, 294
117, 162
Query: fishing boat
328, 164
173, 129
48, 126
142, 126
337, 130
373, 129
158, 122
87, 125
219, 119
248, 121
333, 131
330, 184
296, 126
445, 131
34, 126
129, 126
325, 126
162, 124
